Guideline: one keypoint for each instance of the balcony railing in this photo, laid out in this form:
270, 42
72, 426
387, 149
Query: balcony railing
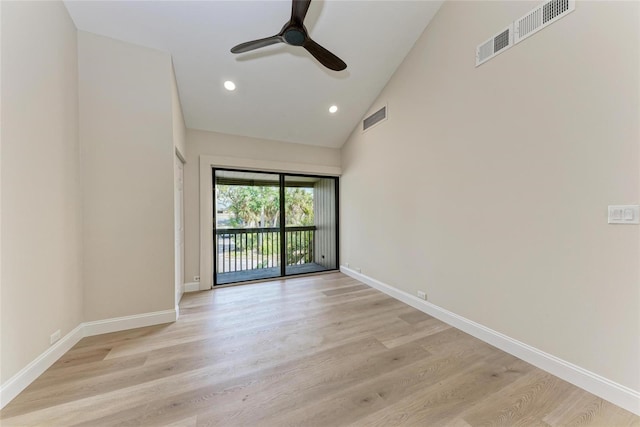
242, 249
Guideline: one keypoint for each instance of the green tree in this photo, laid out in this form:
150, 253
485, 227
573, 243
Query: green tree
253, 206
299, 206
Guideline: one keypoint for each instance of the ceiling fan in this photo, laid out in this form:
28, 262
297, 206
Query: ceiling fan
294, 33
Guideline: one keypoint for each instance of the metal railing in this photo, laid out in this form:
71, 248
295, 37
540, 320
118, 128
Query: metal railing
241, 249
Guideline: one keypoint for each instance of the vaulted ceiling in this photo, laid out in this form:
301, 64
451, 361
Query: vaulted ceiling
282, 92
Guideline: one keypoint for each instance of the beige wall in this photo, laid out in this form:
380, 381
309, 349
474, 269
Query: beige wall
41, 226
127, 176
501, 176
216, 144
1, 352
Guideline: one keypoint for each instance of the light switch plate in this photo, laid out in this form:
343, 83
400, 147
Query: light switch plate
624, 214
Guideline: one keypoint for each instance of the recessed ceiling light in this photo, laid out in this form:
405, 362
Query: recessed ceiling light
229, 85
333, 109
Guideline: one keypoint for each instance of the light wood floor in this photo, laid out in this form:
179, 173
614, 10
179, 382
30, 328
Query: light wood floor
313, 351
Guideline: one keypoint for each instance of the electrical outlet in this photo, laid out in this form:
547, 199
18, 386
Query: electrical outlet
422, 295
346, 264
358, 270
55, 336
624, 214
196, 278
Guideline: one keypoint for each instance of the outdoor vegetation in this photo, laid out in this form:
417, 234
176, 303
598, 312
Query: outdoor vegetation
258, 207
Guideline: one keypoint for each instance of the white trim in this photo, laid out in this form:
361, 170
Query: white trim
615, 393
21, 380
269, 165
206, 224
208, 162
192, 287
129, 322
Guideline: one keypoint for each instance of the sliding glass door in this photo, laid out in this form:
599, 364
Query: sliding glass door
310, 218
270, 225
247, 226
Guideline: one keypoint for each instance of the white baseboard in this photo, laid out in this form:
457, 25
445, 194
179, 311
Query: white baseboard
192, 287
611, 391
21, 380
129, 322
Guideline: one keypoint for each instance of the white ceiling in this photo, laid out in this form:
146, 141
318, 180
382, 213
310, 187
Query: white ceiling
282, 92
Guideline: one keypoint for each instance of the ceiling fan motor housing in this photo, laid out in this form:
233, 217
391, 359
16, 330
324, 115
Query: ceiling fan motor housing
295, 36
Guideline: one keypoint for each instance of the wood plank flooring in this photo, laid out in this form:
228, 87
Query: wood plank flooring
309, 351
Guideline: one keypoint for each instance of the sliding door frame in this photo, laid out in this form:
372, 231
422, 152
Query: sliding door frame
282, 191
283, 226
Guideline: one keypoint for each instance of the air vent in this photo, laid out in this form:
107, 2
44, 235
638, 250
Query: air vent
375, 118
501, 41
543, 15
495, 45
553, 10
485, 51
528, 24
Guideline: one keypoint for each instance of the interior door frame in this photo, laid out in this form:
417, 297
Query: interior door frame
179, 220
282, 191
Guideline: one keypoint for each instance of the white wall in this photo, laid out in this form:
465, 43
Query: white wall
41, 225
501, 176
203, 143
126, 129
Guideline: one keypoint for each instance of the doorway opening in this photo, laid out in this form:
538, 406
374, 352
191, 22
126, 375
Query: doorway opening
269, 225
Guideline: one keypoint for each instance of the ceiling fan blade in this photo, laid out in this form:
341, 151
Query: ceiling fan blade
325, 57
256, 44
299, 10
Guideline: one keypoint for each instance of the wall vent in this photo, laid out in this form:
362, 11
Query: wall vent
543, 15
375, 118
495, 45
538, 18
